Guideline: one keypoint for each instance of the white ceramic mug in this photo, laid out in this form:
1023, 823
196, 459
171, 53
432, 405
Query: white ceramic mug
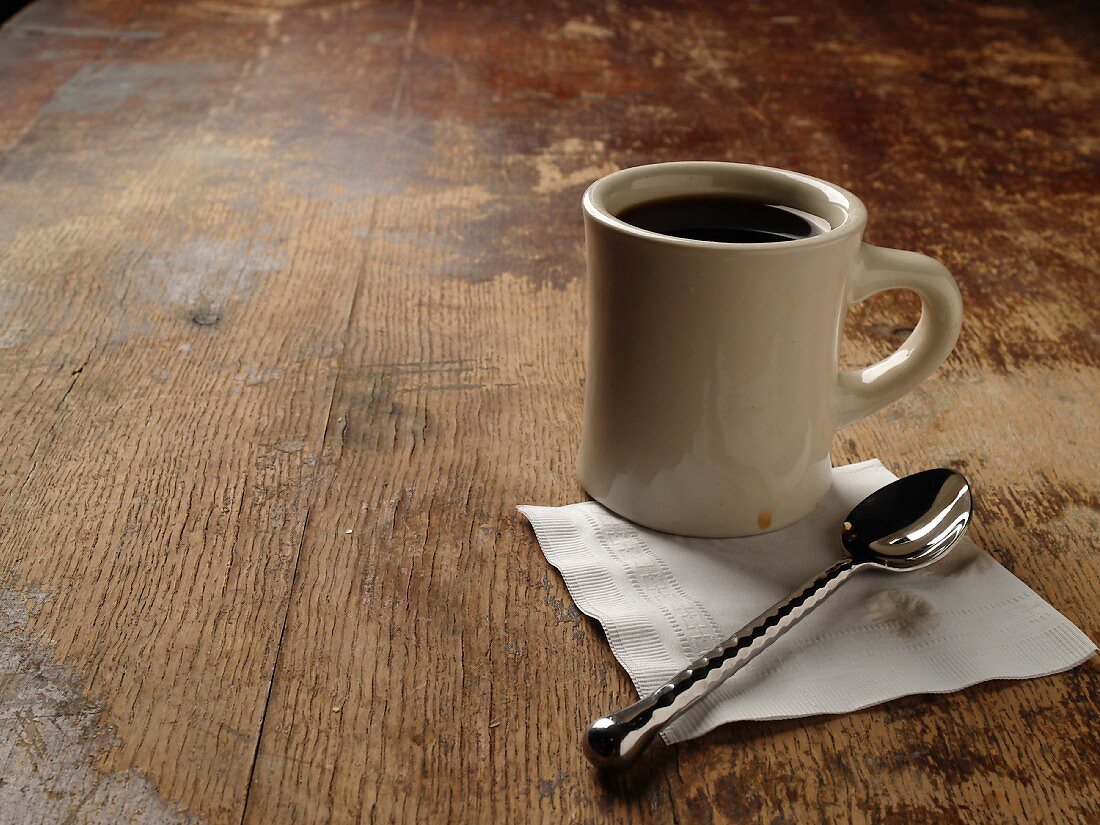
713, 387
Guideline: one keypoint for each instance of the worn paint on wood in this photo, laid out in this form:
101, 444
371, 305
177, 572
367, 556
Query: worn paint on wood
292, 311
51, 735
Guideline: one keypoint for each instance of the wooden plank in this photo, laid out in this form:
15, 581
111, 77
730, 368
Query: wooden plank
175, 302
273, 272
44, 44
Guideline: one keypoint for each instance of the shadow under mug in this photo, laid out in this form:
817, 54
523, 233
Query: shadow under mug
713, 388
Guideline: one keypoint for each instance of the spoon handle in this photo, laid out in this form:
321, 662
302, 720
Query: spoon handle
618, 739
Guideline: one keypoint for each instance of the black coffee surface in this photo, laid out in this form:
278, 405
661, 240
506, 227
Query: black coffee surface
721, 218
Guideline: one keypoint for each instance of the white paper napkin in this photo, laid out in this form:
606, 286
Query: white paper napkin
663, 600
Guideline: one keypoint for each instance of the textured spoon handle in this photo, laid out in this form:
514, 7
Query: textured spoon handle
617, 740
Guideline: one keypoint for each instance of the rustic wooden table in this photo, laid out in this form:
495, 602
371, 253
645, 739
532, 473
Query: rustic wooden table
292, 306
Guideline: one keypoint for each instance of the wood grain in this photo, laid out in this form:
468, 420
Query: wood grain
292, 318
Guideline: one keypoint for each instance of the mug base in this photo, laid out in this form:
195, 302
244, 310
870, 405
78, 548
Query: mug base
692, 505
717, 530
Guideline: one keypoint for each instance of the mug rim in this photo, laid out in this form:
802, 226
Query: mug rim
855, 218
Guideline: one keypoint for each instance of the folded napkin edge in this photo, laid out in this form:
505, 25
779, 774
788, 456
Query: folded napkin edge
699, 722
590, 585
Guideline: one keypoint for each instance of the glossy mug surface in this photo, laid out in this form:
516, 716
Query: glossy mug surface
713, 388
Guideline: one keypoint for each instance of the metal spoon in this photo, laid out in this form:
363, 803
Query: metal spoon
904, 526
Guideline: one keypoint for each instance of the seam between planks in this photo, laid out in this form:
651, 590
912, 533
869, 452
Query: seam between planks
318, 493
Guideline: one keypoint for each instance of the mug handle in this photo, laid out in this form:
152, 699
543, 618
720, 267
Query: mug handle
863, 391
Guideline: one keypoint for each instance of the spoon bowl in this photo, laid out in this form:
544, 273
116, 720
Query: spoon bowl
911, 523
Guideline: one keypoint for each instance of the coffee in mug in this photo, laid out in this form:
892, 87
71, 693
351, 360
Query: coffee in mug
724, 219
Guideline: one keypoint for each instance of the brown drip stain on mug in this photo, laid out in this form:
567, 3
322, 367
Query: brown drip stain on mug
764, 520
